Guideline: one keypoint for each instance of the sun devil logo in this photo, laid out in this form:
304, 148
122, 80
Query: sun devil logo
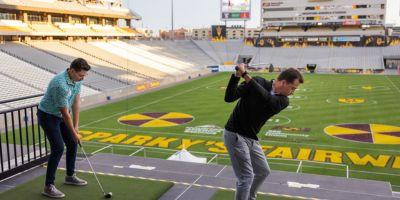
156, 119
219, 31
351, 100
367, 133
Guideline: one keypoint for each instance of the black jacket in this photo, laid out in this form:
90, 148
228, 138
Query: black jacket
255, 107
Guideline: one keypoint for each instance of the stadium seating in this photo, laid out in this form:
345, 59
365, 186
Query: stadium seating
157, 56
209, 50
184, 50
10, 27
122, 49
70, 54
12, 89
29, 75
56, 65
117, 59
324, 57
42, 28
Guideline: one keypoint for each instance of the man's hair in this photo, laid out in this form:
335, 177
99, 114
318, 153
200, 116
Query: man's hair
291, 75
80, 64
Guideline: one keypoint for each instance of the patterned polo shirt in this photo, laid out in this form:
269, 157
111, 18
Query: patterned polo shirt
61, 92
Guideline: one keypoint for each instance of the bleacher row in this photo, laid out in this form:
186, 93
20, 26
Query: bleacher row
17, 27
71, 6
115, 64
324, 57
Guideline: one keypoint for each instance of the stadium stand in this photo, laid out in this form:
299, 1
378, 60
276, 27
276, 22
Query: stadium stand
13, 27
180, 64
55, 64
12, 89
115, 58
44, 28
70, 54
209, 50
29, 75
123, 49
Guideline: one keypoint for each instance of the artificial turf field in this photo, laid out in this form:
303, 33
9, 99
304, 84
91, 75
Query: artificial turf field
122, 188
334, 122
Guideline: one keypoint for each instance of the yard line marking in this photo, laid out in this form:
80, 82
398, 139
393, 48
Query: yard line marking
137, 151
220, 171
392, 83
267, 141
153, 102
94, 152
188, 187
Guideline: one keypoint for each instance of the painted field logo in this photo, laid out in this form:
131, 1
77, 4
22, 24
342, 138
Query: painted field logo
286, 131
367, 133
156, 119
367, 87
204, 129
351, 100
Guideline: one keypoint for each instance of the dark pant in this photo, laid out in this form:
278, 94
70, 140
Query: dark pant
57, 133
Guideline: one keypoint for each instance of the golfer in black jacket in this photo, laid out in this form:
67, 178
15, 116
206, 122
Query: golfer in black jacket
259, 100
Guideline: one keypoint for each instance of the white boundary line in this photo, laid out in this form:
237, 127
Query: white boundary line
220, 171
219, 139
392, 83
153, 102
188, 187
216, 155
98, 150
268, 123
137, 151
298, 97
295, 107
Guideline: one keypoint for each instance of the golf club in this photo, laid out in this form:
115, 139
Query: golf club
108, 195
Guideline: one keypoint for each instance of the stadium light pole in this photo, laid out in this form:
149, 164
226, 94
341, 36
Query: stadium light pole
172, 20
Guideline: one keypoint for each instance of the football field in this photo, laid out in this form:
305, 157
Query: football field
341, 125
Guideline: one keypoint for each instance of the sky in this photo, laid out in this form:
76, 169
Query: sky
156, 14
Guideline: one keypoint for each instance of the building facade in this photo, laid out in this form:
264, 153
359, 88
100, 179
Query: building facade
328, 12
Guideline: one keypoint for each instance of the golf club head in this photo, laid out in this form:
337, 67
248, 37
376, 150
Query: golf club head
108, 195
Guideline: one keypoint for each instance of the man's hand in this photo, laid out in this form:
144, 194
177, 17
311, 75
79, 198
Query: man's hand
76, 138
240, 69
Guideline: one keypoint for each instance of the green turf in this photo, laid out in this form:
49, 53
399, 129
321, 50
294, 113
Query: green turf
228, 195
203, 99
122, 188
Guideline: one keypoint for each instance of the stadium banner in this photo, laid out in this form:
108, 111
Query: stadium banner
146, 86
235, 10
374, 41
218, 32
338, 41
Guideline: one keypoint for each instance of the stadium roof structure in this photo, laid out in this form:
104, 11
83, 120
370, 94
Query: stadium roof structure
72, 7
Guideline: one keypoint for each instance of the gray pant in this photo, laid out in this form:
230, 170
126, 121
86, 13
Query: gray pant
249, 164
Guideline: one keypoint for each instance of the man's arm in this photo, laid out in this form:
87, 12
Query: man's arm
277, 103
61, 102
75, 111
233, 91
68, 121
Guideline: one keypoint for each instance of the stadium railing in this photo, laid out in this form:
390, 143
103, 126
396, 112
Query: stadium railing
23, 144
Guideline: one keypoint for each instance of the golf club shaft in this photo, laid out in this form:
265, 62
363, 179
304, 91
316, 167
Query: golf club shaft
91, 167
